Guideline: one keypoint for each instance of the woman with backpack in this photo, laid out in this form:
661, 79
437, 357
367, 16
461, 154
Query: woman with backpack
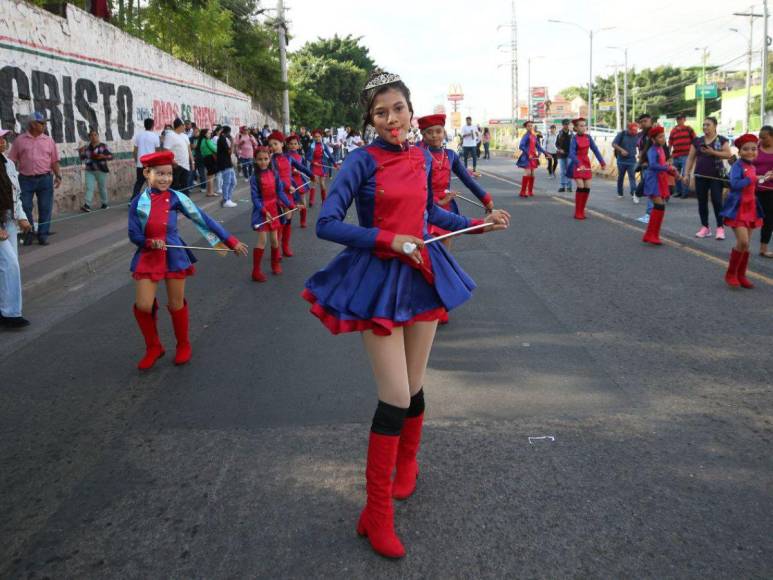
707, 161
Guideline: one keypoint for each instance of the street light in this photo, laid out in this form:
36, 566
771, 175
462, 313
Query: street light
625, 81
528, 81
590, 32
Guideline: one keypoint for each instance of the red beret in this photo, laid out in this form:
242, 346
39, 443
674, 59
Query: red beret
157, 158
292, 136
262, 149
655, 131
577, 120
316, 132
745, 138
277, 135
431, 121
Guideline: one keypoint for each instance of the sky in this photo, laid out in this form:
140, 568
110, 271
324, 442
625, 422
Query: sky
432, 44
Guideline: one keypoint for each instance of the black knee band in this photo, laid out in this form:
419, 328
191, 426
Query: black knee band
659, 206
388, 419
417, 405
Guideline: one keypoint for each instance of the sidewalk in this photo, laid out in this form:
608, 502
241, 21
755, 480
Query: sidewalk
680, 224
83, 243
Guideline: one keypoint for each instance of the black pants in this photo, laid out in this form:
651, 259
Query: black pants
470, 151
704, 187
139, 182
766, 199
552, 164
180, 178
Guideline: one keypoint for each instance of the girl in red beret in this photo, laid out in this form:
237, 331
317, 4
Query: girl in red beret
320, 158
153, 225
579, 165
300, 179
656, 183
529, 158
742, 210
284, 165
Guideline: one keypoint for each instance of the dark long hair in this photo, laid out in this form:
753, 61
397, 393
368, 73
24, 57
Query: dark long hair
367, 97
6, 192
203, 134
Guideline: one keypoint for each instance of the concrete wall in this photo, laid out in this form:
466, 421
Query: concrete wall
85, 72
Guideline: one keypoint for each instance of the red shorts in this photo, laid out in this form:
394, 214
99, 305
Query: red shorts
158, 276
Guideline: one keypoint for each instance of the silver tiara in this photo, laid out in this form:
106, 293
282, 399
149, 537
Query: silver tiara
382, 79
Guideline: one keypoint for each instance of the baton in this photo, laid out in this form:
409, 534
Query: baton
410, 247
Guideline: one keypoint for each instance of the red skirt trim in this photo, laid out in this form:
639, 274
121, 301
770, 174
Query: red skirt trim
318, 171
158, 276
271, 226
379, 326
741, 223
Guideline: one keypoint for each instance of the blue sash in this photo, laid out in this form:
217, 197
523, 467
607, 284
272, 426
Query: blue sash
143, 211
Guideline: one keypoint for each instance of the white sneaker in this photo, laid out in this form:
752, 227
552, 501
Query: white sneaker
645, 219
229, 203
636, 199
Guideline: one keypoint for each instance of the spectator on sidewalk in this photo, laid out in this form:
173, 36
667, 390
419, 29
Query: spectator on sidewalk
679, 140
245, 145
305, 138
225, 166
470, 138
706, 160
37, 161
624, 144
95, 156
486, 140
764, 163
146, 141
12, 219
199, 174
218, 176
550, 147
207, 148
563, 141
177, 142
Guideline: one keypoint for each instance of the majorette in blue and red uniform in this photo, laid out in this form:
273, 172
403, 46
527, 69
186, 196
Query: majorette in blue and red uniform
153, 216
445, 161
320, 158
529, 159
656, 185
579, 166
742, 209
368, 286
268, 197
300, 183
285, 165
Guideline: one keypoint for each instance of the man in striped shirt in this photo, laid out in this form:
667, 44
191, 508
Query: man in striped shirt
680, 139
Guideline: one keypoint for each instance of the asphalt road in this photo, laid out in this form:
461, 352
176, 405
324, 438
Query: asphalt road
653, 378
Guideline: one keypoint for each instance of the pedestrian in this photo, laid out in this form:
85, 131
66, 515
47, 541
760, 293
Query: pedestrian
200, 173
153, 225
707, 159
225, 166
550, 148
214, 137
37, 161
624, 145
763, 164
207, 150
470, 144
528, 160
679, 139
394, 300
269, 201
305, 138
580, 165
285, 165
245, 145
478, 142
146, 141
742, 210
178, 143
13, 219
486, 140
563, 141
300, 180
444, 162
95, 156
656, 183
319, 157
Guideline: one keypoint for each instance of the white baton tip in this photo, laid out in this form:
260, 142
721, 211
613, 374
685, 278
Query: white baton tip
409, 248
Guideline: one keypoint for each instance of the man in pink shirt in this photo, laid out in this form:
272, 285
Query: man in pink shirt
245, 151
37, 160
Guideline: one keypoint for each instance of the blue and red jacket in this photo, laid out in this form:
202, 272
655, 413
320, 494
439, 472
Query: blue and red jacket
573, 158
444, 161
530, 148
267, 194
656, 173
161, 224
285, 165
319, 153
741, 202
297, 176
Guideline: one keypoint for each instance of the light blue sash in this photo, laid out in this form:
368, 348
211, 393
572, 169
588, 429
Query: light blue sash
143, 211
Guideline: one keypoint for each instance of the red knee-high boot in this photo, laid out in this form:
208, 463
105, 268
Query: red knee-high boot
312, 193
303, 217
287, 230
180, 323
377, 520
652, 235
524, 186
531, 185
742, 264
580, 199
276, 267
731, 276
257, 256
153, 348
407, 467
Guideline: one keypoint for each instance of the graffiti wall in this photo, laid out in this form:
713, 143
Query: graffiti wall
83, 72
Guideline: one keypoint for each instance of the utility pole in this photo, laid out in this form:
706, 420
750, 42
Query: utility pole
752, 16
764, 88
625, 82
701, 108
514, 61
282, 30
617, 100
